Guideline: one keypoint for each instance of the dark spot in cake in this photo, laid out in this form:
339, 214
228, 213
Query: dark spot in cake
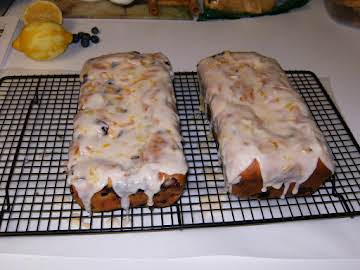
103, 126
85, 78
122, 110
135, 157
104, 130
121, 132
110, 82
114, 64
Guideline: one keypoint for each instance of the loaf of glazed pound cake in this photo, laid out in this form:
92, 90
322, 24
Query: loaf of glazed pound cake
269, 145
126, 149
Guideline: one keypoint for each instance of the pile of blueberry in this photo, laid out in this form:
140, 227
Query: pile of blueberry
85, 38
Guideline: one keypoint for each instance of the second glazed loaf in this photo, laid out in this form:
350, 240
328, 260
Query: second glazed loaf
268, 142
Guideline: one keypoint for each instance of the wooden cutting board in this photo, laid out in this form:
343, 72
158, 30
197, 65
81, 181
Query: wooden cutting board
106, 9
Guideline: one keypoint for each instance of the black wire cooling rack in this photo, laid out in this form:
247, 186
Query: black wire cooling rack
36, 129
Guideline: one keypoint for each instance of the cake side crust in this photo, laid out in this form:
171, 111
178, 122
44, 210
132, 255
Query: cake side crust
107, 200
251, 183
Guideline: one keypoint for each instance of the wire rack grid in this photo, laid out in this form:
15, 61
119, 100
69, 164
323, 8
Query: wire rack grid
36, 130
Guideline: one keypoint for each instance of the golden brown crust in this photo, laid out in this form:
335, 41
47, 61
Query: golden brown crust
107, 200
251, 183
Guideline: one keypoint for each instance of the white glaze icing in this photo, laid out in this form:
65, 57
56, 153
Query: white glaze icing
126, 131
257, 115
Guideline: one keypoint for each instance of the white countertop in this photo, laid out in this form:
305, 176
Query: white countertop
305, 39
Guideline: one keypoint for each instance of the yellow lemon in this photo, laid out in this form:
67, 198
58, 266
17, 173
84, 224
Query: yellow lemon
42, 40
42, 11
